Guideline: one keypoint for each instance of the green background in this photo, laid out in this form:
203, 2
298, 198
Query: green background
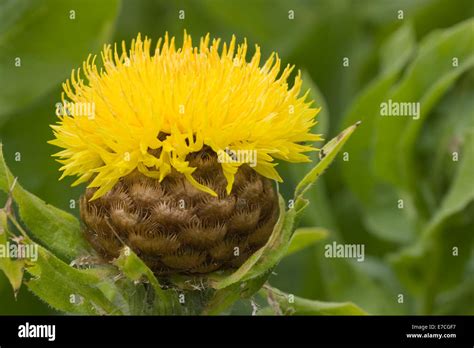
409, 251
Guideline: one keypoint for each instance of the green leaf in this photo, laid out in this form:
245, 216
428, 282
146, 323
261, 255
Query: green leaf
371, 283
288, 304
357, 175
384, 219
56, 229
421, 265
305, 237
459, 301
327, 155
68, 289
224, 298
377, 200
428, 77
447, 130
48, 43
135, 269
461, 191
397, 50
411, 133
13, 269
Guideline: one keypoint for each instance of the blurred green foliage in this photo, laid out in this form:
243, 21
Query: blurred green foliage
409, 251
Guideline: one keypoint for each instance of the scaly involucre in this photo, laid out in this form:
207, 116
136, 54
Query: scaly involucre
191, 97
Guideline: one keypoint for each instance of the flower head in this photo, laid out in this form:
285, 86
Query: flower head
153, 109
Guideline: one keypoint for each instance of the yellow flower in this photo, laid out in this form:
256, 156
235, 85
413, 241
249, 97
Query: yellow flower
194, 96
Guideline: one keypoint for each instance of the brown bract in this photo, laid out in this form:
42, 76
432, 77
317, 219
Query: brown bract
175, 227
